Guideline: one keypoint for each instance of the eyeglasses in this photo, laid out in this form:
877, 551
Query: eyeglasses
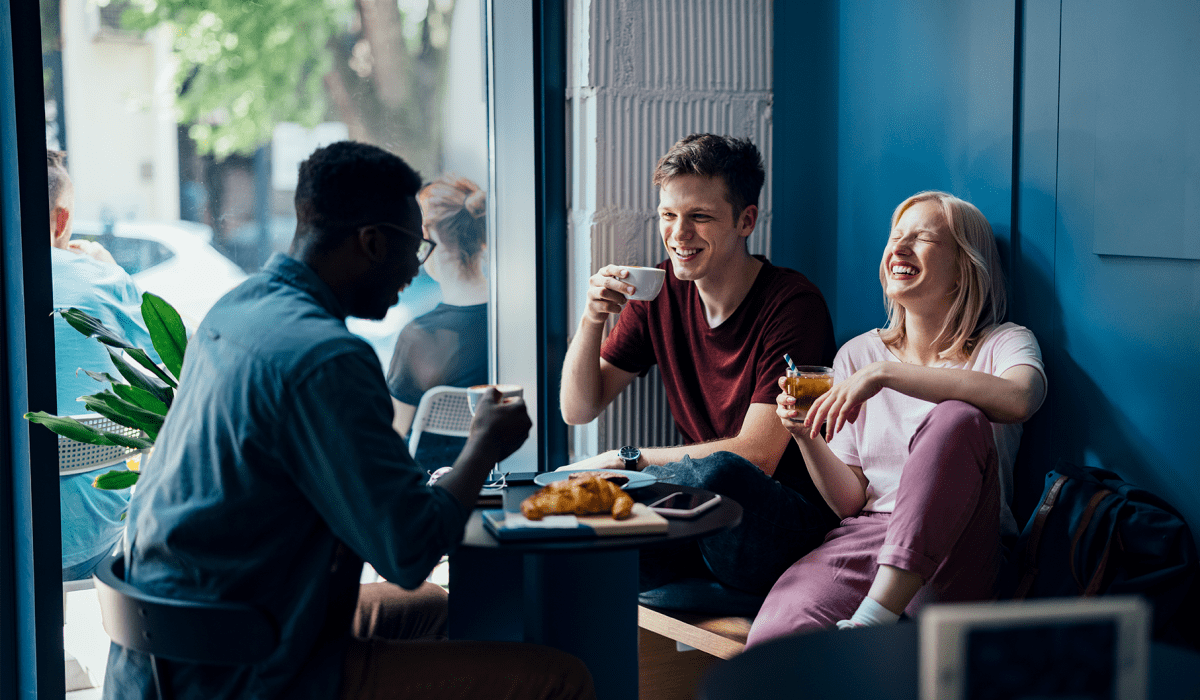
424, 247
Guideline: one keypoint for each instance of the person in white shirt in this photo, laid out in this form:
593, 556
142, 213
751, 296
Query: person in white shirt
922, 427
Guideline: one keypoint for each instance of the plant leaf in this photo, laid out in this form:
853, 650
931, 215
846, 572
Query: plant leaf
140, 398
99, 376
135, 443
92, 328
124, 413
74, 430
166, 331
69, 428
115, 480
140, 379
144, 360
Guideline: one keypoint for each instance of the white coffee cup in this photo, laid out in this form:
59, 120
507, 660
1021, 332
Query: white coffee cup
507, 391
648, 281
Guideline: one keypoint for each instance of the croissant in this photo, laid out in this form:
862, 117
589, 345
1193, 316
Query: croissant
580, 494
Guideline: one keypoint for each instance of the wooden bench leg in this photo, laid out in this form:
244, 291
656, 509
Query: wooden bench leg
667, 674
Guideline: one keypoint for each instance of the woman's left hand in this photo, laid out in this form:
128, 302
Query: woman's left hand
841, 404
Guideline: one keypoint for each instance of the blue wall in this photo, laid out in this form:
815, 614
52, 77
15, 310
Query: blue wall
1075, 127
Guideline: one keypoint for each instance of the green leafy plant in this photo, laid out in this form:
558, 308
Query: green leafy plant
143, 394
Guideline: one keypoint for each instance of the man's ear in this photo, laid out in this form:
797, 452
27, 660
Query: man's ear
60, 219
747, 219
373, 243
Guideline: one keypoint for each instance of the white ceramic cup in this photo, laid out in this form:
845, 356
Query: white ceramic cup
648, 281
507, 391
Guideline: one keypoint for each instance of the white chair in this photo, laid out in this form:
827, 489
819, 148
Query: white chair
443, 410
77, 457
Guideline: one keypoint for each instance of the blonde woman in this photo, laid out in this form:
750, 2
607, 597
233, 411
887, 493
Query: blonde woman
922, 427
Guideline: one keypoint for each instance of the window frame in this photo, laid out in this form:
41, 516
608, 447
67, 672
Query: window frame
527, 156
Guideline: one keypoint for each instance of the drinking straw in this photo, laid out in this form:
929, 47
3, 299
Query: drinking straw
791, 365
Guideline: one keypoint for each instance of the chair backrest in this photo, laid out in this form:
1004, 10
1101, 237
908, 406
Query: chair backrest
76, 457
219, 633
443, 410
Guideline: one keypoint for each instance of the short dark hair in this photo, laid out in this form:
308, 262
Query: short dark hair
346, 185
56, 175
735, 160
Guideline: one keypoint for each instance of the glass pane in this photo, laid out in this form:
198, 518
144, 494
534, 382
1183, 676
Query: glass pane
184, 123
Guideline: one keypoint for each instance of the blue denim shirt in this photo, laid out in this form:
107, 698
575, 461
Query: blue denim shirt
91, 518
276, 474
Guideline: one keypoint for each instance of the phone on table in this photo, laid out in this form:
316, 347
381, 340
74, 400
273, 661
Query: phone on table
685, 505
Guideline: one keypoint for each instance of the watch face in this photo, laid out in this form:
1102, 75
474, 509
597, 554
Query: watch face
630, 453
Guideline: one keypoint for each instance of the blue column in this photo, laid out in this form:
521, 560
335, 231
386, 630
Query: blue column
31, 660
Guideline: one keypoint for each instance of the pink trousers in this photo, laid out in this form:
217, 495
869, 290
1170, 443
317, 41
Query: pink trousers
945, 528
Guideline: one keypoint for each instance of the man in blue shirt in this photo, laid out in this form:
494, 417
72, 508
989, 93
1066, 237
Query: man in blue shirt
277, 471
86, 277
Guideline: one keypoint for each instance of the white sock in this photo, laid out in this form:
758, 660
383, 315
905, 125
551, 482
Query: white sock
869, 614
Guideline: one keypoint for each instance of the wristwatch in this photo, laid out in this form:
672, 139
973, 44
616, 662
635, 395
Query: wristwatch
630, 455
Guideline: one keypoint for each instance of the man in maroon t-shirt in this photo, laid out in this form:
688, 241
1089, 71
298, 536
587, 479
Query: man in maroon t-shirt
718, 331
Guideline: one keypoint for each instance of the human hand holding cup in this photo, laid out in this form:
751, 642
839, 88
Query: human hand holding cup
501, 426
646, 281
507, 391
805, 383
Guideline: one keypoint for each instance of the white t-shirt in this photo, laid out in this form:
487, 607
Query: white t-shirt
878, 440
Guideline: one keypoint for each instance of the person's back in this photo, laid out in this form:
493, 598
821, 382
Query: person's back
237, 450
92, 519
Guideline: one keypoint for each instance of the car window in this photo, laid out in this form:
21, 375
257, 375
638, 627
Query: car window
134, 254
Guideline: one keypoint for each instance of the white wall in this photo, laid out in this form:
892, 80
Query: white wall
121, 130
464, 109
643, 74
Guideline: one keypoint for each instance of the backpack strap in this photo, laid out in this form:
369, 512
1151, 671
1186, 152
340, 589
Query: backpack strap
1093, 585
1035, 538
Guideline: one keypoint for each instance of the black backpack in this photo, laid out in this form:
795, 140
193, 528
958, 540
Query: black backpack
1095, 534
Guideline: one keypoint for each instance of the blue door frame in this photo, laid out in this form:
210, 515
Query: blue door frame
31, 659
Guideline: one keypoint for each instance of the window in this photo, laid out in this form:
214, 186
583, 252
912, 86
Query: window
182, 173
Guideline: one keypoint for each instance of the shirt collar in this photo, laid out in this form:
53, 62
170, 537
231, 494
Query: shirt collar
302, 277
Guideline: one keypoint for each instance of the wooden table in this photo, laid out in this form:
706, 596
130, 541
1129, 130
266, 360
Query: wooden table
576, 595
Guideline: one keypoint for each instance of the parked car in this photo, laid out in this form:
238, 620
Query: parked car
176, 261
173, 259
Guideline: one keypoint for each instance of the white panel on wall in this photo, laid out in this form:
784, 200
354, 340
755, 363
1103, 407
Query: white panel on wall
645, 73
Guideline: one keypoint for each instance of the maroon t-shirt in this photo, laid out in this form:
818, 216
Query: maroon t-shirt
712, 375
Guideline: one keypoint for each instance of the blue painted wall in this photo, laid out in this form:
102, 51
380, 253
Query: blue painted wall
1075, 127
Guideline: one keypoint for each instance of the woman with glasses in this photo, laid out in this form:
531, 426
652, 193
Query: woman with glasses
448, 345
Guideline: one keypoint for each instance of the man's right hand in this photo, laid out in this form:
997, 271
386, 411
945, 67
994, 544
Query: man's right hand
606, 293
500, 428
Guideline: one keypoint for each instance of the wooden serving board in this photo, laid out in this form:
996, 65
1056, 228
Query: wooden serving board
643, 521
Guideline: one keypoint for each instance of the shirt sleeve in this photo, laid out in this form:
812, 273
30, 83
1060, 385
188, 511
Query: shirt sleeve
803, 330
1015, 346
628, 346
357, 473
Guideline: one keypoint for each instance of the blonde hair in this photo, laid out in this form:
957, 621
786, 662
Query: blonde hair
979, 296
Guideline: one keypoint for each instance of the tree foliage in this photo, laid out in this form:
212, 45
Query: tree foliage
246, 65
